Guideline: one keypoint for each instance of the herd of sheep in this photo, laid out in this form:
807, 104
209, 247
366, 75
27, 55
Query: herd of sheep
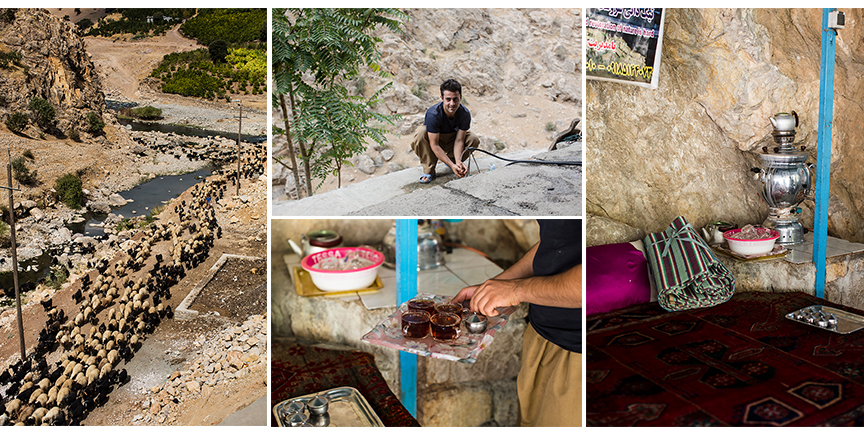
116, 313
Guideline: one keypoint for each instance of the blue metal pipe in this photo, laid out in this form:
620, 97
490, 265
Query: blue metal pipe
823, 154
406, 280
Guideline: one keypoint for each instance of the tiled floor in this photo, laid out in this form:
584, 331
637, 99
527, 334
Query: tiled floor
803, 253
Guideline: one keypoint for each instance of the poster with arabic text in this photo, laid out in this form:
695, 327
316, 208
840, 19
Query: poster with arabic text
624, 44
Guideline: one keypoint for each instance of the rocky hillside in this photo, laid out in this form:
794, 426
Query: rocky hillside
53, 66
492, 52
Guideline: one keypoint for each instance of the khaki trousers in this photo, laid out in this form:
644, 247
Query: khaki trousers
421, 147
549, 383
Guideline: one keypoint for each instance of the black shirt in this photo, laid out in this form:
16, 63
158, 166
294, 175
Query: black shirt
437, 121
560, 250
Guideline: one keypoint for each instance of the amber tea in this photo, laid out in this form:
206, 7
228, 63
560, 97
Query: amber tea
445, 327
427, 305
449, 307
415, 324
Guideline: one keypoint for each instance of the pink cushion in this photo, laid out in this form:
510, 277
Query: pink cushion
616, 277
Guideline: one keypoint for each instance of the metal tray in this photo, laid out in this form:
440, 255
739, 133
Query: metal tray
348, 408
846, 322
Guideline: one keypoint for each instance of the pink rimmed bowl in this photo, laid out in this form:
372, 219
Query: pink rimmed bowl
751, 247
343, 280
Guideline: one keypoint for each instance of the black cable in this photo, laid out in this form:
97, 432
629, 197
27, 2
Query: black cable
521, 161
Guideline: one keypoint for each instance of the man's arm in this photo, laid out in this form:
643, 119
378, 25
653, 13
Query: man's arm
458, 168
517, 284
458, 147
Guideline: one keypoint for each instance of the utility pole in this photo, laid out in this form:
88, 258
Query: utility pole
239, 134
14, 253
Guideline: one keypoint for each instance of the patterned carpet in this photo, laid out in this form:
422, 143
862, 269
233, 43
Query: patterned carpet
299, 370
741, 363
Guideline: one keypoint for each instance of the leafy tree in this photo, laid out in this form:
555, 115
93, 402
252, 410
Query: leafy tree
84, 24
326, 122
94, 123
16, 122
218, 50
69, 190
21, 172
42, 111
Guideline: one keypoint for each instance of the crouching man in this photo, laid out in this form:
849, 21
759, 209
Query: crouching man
445, 135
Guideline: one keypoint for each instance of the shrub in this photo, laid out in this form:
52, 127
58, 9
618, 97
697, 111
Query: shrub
218, 50
29, 154
42, 110
74, 135
550, 126
21, 172
69, 190
16, 122
146, 113
84, 24
58, 276
10, 58
94, 123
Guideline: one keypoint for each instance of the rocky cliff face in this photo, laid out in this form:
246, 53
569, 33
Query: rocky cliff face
687, 147
54, 66
492, 52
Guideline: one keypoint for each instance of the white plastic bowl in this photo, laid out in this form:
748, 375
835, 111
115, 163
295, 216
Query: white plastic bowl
751, 247
343, 280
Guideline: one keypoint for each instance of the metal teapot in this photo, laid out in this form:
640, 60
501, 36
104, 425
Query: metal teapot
784, 121
430, 247
316, 241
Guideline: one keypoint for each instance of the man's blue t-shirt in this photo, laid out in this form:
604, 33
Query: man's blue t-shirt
437, 121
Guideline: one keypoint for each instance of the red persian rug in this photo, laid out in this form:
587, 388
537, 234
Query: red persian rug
298, 370
741, 363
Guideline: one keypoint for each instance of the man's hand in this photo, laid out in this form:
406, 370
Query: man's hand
493, 293
460, 169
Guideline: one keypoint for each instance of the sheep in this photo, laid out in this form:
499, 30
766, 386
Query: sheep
13, 406
44, 384
35, 395
51, 416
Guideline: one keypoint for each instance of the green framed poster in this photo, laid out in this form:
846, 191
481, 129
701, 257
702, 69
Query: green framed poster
624, 45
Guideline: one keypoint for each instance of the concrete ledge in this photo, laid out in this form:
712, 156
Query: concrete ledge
183, 312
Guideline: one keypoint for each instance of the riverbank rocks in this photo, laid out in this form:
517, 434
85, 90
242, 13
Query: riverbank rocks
99, 206
224, 357
116, 200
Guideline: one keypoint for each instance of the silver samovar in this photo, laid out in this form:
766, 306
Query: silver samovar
786, 180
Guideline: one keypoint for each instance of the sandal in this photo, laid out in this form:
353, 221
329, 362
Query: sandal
429, 177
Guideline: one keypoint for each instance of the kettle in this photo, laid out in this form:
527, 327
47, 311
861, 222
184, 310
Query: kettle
430, 247
316, 241
784, 121
713, 232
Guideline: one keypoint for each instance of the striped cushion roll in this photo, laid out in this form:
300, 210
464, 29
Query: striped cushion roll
685, 270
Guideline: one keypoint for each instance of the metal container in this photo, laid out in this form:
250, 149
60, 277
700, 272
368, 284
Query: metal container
828, 318
785, 180
430, 248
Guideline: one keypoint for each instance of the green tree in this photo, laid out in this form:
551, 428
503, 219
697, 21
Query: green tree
69, 190
326, 122
21, 172
42, 111
16, 122
94, 123
218, 51
84, 24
